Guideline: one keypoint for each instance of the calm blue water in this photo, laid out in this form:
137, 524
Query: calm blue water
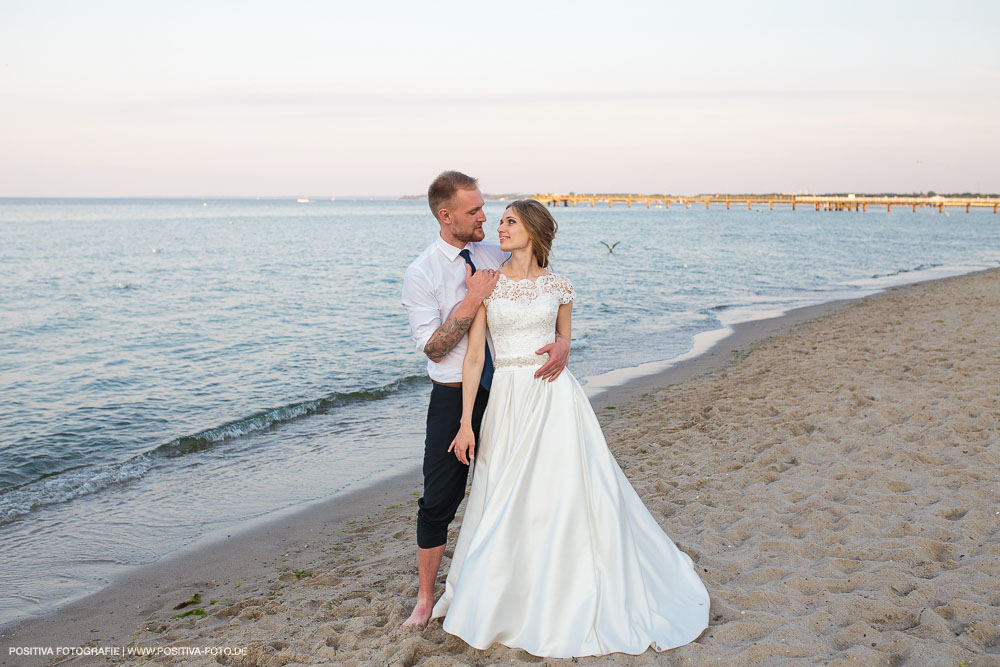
173, 367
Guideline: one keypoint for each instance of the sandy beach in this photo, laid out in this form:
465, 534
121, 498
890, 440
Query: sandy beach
834, 474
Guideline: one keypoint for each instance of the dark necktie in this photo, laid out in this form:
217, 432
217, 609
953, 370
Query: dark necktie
487, 377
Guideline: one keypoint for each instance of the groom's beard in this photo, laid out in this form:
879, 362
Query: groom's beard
473, 236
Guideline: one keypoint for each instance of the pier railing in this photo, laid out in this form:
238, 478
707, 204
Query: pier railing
817, 202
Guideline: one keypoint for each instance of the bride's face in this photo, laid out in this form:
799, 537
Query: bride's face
513, 235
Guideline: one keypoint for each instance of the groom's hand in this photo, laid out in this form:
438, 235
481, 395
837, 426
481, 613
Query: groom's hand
558, 358
464, 444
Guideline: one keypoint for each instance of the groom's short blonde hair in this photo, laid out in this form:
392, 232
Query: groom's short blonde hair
445, 186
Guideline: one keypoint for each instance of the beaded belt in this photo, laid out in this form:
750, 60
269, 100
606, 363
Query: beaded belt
526, 361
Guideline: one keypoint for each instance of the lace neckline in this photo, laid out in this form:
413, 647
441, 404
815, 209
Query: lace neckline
526, 280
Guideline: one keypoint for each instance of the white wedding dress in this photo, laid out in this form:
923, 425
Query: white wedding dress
557, 554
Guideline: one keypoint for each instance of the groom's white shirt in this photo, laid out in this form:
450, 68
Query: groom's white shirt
433, 286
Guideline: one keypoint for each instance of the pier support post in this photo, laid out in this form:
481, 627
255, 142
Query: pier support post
967, 206
914, 208
888, 208
793, 205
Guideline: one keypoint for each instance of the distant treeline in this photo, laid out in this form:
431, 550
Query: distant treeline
762, 195
929, 193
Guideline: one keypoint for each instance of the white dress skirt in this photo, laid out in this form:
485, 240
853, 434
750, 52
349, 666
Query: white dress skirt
557, 554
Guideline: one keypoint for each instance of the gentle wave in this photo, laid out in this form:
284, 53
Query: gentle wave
85, 480
919, 267
268, 418
67, 485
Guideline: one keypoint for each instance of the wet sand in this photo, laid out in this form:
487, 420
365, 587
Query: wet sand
834, 473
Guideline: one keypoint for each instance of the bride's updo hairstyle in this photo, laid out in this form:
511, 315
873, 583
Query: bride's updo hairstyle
541, 227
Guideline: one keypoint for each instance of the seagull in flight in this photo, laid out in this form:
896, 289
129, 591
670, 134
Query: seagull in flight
611, 248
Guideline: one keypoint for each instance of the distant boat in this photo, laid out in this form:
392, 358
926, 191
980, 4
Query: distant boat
302, 200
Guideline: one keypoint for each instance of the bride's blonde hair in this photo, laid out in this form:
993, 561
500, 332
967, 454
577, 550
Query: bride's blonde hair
541, 227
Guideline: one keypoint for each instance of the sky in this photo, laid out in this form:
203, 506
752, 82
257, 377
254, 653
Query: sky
153, 98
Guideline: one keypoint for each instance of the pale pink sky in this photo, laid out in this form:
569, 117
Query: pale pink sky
329, 98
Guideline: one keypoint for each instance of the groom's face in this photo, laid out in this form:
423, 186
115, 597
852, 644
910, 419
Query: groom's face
466, 216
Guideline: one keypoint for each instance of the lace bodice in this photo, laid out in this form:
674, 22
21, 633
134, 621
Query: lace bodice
521, 315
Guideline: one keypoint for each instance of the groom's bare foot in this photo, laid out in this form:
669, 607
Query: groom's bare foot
420, 616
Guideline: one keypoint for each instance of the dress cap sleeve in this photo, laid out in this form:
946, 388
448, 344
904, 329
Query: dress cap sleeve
563, 289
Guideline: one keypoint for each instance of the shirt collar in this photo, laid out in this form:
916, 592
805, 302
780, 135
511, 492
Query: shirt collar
450, 251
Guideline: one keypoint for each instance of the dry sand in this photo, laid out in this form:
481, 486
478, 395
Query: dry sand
837, 486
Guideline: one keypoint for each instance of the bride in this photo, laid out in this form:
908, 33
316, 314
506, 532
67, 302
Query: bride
557, 555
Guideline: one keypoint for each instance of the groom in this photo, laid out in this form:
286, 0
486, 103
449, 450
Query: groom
442, 290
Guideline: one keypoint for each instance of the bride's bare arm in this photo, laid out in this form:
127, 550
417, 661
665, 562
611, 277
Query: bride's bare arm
464, 443
564, 321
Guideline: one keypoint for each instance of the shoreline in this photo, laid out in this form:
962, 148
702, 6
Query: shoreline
112, 615
626, 384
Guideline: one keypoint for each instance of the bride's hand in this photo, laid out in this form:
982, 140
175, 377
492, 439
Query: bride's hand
464, 444
479, 285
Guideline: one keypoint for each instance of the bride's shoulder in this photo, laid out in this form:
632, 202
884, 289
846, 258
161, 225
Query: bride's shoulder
560, 286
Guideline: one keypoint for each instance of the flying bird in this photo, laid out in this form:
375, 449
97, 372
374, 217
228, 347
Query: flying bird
611, 248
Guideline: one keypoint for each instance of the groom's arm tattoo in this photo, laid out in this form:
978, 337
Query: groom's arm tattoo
447, 337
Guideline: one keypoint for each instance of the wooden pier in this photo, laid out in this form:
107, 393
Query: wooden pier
816, 202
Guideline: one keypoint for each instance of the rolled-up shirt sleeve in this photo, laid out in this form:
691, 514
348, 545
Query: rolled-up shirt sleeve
421, 306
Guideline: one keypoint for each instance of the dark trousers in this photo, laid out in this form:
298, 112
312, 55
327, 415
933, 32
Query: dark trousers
444, 475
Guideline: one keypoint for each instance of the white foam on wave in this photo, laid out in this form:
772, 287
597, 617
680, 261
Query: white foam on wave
777, 307
69, 485
259, 422
703, 341
737, 315
905, 277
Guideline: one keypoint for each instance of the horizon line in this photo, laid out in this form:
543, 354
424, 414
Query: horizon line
507, 196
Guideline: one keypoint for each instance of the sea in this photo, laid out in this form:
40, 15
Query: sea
174, 369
